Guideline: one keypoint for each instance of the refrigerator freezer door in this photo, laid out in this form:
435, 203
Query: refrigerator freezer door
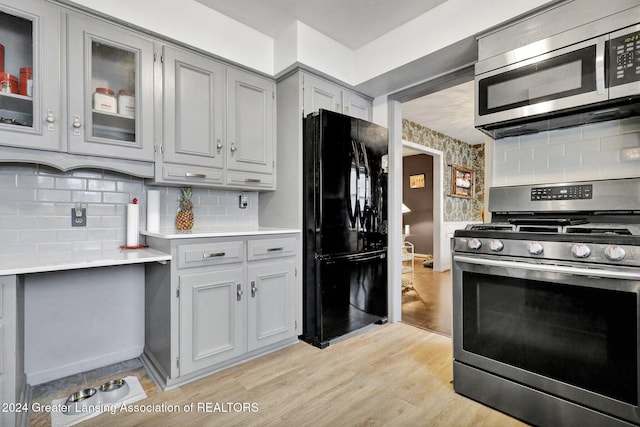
351, 293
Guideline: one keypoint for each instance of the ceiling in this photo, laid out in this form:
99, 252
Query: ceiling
355, 23
352, 23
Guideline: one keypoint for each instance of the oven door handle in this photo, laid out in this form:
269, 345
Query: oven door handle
549, 268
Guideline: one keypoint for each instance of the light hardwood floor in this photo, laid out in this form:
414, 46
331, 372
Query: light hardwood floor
429, 304
389, 375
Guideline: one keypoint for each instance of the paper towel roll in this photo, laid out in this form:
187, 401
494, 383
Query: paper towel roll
133, 221
153, 211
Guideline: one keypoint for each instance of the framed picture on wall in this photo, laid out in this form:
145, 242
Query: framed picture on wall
416, 181
462, 180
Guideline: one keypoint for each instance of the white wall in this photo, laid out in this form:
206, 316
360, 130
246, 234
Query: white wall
195, 24
598, 151
80, 320
190, 22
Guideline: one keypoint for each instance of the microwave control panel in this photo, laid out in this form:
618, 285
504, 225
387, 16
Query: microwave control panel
624, 59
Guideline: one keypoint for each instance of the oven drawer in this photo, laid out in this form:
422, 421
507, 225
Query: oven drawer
207, 254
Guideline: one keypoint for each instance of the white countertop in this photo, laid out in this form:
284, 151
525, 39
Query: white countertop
197, 232
24, 264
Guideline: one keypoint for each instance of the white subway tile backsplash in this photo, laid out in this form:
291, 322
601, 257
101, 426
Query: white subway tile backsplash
70, 183
86, 196
548, 151
584, 146
53, 195
599, 130
631, 124
597, 151
562, 136
101, 185
36, 203
601, 159
534, 140
618, 142
514, 156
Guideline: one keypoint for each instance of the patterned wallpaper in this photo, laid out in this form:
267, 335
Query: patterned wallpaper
458, 153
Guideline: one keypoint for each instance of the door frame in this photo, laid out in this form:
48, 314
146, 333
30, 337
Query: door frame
438, 199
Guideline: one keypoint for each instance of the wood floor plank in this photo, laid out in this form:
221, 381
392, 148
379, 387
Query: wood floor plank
390, 375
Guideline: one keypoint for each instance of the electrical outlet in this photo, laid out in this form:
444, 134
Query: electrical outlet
243, 201
78, 217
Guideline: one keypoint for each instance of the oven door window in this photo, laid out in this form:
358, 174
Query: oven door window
562, 76
582, 336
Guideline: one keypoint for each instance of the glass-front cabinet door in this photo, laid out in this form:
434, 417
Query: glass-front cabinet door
110, 85
30, 74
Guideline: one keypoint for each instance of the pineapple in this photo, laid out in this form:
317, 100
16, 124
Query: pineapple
184, 216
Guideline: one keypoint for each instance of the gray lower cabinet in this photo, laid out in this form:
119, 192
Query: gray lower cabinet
219, 302
212, 314
13, 387
271, 302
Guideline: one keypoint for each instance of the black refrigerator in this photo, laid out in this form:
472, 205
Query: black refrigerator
345, 225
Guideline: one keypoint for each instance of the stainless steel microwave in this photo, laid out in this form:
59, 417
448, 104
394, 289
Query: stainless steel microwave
568, 79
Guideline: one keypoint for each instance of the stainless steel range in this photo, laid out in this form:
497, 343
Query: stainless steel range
547, 301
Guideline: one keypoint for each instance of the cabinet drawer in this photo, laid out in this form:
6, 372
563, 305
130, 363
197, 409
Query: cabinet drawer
204, 254
249, 180
191, 175
271, 248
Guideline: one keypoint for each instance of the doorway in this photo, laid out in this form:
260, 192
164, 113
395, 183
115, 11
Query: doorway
426, 295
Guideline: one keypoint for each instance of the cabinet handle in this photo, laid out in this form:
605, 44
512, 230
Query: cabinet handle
219, 145
274, 249
194, 175
76, 122
233, 147
253, 289
214, 255
255, 180
239, 292
50, 117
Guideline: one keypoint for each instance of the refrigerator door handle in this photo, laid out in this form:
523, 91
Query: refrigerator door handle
357, 257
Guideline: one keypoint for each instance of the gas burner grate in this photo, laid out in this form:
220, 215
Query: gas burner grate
596, 230
492, 227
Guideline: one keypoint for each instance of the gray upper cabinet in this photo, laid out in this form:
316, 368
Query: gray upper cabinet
110, 85
31, 109
250, 129
356, 106
192, 117
319, 93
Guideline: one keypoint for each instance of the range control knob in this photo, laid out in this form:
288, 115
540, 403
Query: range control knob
580, 250
496, 245
535, 248
614, 253
474, 244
